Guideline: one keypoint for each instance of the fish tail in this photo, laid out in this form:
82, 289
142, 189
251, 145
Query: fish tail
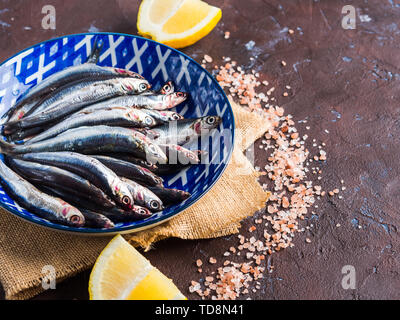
95, 55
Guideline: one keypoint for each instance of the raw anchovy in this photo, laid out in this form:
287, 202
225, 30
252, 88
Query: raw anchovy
48, 101
131, 171
138, 101
94, 140
87, 167
97, 220
107, 203
92, 220
158, 102
182, 131
53, 176
71, 74
115, 214
45, 206
113, 117
131, 159
170, 196
143, 196
163, 116
73, 100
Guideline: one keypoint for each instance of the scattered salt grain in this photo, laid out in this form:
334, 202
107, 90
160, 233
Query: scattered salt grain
207, 58
292, 198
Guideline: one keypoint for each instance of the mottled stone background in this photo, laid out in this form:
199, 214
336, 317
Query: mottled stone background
343, 81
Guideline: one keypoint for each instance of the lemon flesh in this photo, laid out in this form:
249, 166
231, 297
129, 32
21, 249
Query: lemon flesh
122, 273
161, 10
177, 23
182, 20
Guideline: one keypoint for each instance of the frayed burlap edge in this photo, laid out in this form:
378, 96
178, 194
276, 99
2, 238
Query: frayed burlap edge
25, 248
235, 196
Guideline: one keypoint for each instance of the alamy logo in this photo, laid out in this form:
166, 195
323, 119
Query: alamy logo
349, 279
49, 278
349, 20
49, 20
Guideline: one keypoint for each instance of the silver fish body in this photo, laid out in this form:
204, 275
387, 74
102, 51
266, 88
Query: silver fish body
94, 140
113, 117
71, 74
52, 177
143, 196
73, 100
163, 116
158, 102
87, 167
131, 171
48, 207
92, 219
65, 77
92, 210
170, 196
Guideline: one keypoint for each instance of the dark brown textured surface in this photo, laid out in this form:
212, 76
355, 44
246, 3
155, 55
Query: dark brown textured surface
343, 81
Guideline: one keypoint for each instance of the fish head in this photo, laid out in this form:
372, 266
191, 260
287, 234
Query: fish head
134, 86
171, 115
205, 124
137, 115
154, 154
141, 211
122, 193
167, 88
72, 215
173, 99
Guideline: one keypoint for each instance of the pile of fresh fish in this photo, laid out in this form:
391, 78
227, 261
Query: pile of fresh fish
85, 147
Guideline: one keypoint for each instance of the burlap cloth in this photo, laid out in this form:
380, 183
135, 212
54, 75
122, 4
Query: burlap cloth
26, 248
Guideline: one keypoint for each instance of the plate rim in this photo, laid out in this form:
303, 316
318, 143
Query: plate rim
132, 229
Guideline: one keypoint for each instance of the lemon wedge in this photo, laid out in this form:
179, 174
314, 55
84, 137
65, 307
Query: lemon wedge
122, 273
177, 23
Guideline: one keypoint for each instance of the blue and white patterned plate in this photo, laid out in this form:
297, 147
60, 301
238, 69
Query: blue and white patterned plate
157, 63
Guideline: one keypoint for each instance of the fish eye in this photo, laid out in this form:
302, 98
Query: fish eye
180, 94
126, 200
75, 219
154, 205
142, 211
148, 120
175, 116
210, 120
143, 86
